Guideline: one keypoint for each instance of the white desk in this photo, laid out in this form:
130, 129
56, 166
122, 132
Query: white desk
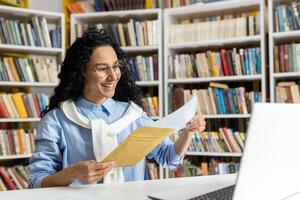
117, 191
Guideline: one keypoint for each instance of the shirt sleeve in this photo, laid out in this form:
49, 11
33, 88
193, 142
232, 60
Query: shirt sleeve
47, 158
164, 153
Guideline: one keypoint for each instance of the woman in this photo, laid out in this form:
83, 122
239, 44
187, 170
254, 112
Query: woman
94, 108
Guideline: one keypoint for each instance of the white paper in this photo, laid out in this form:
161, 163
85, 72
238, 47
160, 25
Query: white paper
178, 119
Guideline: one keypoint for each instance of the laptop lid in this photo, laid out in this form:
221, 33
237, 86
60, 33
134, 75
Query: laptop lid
270, 167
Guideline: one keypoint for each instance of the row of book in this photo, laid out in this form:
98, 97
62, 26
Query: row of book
212, 167
151, 105
144, 68
22, 105
16, 142
179, 3
287, 17
112, 5
288, 92
152, 170
215, 27
133, 33
215, 64
31, 69
287, 58
13, 178
34, 33
226, 140
218, 99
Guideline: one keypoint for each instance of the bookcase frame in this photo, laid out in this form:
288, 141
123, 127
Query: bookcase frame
171, 14
112, 16
17, 13
274, 38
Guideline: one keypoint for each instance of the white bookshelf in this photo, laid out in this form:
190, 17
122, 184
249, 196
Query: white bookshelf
223, 154
22, 14
173, 15
27, 84
5, 120
277, 38
15, 157
122, 17
228, 116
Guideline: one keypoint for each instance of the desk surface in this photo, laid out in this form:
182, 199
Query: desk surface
117, 191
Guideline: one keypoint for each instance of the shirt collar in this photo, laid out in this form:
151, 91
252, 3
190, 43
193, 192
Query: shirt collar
107, 106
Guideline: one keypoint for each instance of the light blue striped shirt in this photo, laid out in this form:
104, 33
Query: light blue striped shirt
61, 143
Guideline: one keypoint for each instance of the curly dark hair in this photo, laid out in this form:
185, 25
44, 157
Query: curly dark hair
72, 82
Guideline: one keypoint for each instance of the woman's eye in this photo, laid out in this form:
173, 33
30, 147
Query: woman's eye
101, 69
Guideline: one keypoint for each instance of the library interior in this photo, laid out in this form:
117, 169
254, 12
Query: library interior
149, 99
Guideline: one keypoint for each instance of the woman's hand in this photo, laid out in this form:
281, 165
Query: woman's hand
197, 124
91, 171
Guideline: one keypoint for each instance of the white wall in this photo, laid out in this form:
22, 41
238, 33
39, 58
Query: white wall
46, 5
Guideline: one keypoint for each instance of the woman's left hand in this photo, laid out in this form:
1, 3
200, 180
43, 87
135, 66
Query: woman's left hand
197, 124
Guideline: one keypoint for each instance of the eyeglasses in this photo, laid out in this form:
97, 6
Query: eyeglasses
103, 69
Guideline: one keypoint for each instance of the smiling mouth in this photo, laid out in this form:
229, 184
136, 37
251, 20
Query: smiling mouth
107, 85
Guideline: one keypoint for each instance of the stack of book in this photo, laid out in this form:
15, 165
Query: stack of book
34, 33
16, 142
22, 105
226, 140
12, 178
218, 99
151, 105
31, 69
215, 64
210, 167
288, 92
144, 68
133, 33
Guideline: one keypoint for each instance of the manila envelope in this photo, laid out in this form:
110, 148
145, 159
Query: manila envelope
137, 145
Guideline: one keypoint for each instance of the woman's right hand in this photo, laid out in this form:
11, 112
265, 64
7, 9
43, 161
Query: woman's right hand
91, 171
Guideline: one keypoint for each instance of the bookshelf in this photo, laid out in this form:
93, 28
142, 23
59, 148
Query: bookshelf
284, 39
203, 37
155, 87
29, 55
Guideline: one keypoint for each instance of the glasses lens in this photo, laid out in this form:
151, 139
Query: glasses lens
121, 65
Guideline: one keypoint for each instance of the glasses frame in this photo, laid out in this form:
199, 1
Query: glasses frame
119, 65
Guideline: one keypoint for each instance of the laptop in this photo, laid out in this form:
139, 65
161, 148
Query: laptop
270, 166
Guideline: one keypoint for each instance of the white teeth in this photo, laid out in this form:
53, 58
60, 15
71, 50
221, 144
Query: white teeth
108, 85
